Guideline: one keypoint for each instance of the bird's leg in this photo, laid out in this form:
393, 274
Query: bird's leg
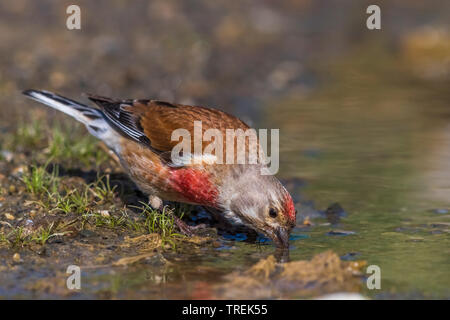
157, 204
183, 226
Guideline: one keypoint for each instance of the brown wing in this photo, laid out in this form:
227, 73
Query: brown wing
152, 122
159, 121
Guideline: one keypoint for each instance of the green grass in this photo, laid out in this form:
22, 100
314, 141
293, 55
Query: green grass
44, 234
65, 146
161, 222
85, 203
111, 220
18, 237
47, 185
64, 204
72, 201
80, 200
29, 134
69, 143
102, 189
39, 181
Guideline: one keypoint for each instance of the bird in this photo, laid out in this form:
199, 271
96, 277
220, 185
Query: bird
139, 132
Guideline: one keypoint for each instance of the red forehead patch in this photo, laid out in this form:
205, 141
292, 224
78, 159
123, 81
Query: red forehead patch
289, 208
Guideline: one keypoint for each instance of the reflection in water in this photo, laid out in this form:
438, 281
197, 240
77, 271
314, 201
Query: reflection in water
436, 175
282, 255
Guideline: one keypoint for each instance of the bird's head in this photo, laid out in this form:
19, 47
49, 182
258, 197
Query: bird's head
262, 203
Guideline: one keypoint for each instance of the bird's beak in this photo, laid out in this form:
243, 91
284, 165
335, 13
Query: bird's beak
281, 238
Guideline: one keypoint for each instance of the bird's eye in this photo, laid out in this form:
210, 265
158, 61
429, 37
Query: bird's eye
273, 212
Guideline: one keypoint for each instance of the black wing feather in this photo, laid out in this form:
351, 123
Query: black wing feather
122, 120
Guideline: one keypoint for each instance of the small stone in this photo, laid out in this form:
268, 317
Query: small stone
85, 233
28, 203
16, 257
334, 213
340, 233
440, 211
350, 256
7, 155
9, 216
105, 213
416, 239
307, 222
29, 222
19, 171
440, 225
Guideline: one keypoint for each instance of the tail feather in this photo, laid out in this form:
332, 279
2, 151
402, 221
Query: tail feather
92, 118
80, 112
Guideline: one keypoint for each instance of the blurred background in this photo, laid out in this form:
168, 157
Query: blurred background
364, 115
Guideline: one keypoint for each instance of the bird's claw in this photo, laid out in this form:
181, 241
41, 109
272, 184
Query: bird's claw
185, 228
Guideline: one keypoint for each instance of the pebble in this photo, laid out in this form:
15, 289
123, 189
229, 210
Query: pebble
7, 155
440, 225
307, 222
105, 213
440, 211
18, 171
16, 257
29, 222
416, 239
350, 256
9, 216
334, 213
340, 233
87, 233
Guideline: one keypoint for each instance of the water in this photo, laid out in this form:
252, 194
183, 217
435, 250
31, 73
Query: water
384, 153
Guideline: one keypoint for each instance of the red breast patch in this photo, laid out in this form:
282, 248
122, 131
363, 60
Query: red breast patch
194, 185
